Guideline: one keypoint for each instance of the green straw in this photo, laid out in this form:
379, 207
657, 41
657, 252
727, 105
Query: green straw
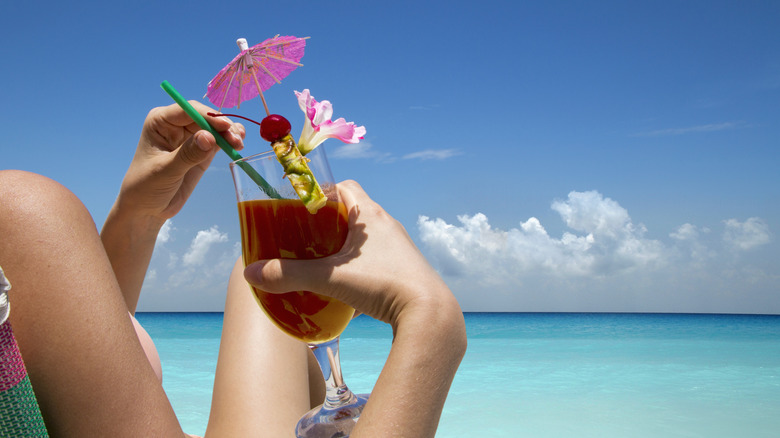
235, 156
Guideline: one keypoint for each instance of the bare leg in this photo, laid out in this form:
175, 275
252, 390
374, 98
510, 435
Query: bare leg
70, 319
261, 387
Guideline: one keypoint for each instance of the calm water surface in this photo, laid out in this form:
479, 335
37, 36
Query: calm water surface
548, 374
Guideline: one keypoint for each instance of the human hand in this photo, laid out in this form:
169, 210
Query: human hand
172, 155
379, 271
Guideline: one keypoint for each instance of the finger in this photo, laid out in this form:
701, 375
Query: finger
174, 115
352, 194
325, 276
198, 149
235, 136
285, 275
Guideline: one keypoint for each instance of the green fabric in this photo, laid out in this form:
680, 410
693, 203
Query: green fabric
19, 412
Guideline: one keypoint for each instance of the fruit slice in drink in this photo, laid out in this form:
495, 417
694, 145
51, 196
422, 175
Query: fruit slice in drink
298, 173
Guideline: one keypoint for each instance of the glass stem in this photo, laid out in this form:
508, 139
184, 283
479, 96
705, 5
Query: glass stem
336, 392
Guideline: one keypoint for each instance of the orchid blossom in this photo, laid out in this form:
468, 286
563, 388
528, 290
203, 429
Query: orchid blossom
318, 127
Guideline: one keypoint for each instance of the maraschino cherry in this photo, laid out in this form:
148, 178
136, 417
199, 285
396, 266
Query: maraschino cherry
272, 128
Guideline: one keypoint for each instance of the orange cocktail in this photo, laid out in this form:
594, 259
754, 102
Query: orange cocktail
289, 208
283, 228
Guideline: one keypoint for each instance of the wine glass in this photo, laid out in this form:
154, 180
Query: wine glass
275, 224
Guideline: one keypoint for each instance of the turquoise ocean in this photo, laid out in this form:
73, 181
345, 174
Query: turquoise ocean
548, 374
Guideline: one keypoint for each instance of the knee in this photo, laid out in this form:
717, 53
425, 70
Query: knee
27, 198
19, 187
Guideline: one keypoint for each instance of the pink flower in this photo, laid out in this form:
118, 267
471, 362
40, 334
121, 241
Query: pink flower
318, 127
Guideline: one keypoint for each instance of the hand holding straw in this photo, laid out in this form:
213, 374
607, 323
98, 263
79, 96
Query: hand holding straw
223, 144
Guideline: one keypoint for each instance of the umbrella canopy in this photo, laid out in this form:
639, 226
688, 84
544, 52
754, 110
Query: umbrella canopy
254, 70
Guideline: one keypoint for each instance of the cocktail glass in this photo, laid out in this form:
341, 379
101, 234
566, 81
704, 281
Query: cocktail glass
277, 225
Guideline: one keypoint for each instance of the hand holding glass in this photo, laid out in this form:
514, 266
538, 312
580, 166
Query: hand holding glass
283, 228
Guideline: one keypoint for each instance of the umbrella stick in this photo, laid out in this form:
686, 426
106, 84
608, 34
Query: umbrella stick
223, 144
260, 90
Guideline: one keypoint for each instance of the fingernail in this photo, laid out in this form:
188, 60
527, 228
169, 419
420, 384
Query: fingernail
202, 143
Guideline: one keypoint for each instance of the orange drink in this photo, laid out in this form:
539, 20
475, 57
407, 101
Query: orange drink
283, 228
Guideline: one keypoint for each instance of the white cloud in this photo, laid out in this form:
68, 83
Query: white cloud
746, 235
173, 260
363, 149
698, 128
688, 240
190, 277
164, 235
602, 262
608, 242
200, 245
432, 154
685, 232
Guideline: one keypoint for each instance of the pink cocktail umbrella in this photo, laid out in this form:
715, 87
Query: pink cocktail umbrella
254, 70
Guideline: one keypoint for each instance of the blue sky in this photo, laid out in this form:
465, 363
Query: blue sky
546, 156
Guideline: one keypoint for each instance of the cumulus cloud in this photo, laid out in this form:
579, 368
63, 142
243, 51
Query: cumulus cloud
602, 261
607, 242
189, 277
164, 235
685, 232
200, 245
746, 235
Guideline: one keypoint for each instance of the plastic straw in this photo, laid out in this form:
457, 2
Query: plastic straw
223, 144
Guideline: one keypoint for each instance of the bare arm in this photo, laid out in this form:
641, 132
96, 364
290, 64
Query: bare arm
380, 272
171, 157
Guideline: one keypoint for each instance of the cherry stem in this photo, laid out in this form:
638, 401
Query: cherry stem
232, 115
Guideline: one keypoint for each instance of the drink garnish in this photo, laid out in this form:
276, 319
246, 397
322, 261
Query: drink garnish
297, 171
276, 129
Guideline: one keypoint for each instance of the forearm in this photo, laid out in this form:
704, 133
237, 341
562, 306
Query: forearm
129, 243
407, 400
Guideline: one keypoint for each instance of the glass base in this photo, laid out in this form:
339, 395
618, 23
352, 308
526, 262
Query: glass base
322, 422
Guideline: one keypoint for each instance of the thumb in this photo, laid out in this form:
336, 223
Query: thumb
194, 151
286, 275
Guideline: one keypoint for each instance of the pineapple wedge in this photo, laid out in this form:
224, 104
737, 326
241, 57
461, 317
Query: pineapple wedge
297, 170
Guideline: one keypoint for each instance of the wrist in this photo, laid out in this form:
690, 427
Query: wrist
131, 225
129, 239
434, 320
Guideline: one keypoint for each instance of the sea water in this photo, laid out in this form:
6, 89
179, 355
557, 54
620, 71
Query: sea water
547, 374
